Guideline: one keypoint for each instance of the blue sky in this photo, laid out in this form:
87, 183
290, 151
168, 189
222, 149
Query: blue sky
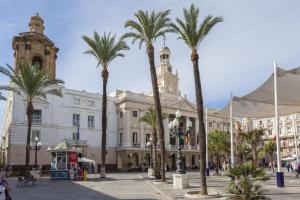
236, 56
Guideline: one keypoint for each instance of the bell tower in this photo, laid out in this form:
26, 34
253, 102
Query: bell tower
35, 48
167, 81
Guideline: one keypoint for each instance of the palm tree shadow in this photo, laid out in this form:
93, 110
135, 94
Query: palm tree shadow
66, 190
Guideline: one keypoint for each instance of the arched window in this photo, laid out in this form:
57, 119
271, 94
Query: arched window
37, 62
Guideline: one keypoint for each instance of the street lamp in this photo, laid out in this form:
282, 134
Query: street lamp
149, 144
36, 146
175, 130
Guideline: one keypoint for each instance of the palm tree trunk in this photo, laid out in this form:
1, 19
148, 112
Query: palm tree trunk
155, 147
150, 51
104, 121
29, 112
254, 155
202, 135
272, 166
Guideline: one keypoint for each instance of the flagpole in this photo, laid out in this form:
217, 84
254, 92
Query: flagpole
279, 174
295, 138
231, 133
206, 131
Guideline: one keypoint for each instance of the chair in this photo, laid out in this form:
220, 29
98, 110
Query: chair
21, 181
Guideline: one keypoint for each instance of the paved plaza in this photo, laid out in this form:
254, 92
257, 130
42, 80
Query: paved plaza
138, 186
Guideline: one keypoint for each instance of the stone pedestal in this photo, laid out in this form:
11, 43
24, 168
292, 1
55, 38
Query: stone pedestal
180, 181
151, 172
103, 174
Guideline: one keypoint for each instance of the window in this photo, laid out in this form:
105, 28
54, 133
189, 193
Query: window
298, 129
91, 121
76, 101
134, 113
121, 138
37, 116
35, 133
76, 119
270, 132
210, 124
147, 137
134, 138
37, 62
90, 103
289, 130
217, 125
75, 136
121, 114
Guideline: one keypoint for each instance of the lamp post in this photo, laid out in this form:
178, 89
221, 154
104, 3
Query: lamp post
174, 127
149, 144
36, 146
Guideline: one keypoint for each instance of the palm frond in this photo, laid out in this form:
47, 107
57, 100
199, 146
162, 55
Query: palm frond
188, 29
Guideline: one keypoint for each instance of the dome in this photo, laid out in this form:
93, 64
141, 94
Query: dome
165, 50
36, 24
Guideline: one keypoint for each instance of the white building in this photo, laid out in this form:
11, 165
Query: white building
57, 118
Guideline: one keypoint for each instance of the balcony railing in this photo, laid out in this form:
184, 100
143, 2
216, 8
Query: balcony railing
136, 145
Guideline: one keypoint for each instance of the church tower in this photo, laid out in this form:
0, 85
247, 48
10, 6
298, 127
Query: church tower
35, 48
167, 81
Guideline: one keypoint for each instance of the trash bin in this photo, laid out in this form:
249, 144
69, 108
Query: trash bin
85, 175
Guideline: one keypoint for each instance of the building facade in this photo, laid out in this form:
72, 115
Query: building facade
289, 132
77, 115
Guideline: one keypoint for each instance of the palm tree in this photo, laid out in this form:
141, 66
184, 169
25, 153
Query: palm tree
147, 28
254, 138
243, 181
192, 34
32, 84
243, 152
218, 145
150, 118
270, 149
105, 49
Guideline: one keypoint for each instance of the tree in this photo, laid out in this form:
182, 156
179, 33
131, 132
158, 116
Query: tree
32, 84
242, 184
270, 149
105, 49
192, 34
147, 28
254, 138
218, 145
151, 119
243, 151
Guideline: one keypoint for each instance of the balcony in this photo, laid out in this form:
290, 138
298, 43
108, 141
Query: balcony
77, 142
135, 145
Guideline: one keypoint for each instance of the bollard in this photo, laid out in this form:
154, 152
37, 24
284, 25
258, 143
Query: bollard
280, 179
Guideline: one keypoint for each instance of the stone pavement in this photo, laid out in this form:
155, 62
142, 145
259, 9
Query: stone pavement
216, 184
116, 186
139, 186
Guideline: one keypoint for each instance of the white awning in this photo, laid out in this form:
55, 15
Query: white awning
260, 102
86, 160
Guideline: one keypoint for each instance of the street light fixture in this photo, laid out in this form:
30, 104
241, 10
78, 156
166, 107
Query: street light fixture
175, 130
149, 144
36, 146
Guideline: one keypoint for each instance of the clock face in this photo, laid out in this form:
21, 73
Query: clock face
169, 69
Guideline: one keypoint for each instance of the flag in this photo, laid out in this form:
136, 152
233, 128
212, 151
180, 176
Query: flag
78, 135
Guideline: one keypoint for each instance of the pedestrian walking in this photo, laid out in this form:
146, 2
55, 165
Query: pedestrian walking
287, 165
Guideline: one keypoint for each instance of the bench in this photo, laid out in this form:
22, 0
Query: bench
22, 181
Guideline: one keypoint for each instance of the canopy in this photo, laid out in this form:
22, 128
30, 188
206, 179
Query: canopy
260, 102
86, 160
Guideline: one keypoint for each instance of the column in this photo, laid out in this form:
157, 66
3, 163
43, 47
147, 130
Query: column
167, 132
142, 138
127, 130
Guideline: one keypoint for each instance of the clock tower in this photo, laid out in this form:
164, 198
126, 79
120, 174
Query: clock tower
166, 79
